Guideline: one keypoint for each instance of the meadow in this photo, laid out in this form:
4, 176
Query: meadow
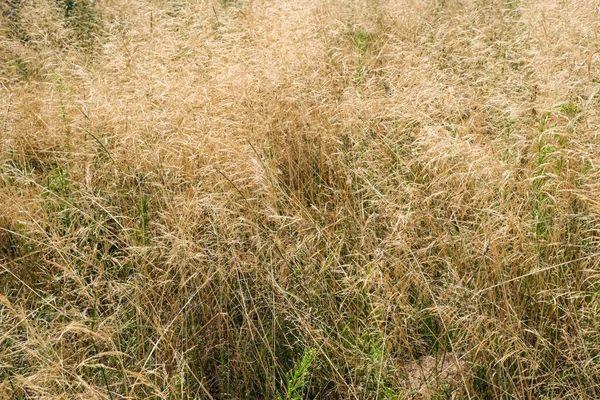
317, 199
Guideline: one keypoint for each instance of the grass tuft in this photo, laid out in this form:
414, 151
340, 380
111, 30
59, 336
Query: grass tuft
327, 199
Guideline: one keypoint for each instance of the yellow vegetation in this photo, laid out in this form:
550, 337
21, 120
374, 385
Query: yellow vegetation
299, 199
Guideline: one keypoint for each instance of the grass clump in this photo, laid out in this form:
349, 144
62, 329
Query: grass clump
388, 199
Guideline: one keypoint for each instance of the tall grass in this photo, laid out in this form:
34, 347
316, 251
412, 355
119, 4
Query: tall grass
388, 199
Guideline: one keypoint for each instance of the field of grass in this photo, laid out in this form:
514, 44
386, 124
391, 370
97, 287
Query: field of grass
320, 199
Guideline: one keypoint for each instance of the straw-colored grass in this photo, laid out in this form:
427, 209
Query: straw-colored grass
247, 199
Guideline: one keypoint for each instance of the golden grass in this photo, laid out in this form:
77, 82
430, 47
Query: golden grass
371, 199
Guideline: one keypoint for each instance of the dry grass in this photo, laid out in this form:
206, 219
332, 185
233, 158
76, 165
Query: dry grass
299, 199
